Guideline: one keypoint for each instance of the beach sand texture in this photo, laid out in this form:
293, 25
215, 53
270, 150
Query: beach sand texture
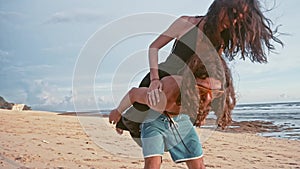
33, 139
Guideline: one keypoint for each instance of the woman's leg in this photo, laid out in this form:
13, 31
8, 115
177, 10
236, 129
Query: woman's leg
152, 162
196, 163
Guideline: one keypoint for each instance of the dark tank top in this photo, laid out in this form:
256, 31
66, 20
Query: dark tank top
182, 50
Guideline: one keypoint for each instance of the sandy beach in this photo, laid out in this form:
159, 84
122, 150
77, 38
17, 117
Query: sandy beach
33, 139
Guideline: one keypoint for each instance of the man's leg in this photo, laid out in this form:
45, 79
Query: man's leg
196, 163
152, 162
152, 139
189, 149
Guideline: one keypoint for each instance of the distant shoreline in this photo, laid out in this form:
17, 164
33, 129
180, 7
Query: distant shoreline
264, 103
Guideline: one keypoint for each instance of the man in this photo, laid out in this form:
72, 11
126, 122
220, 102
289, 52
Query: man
184, 101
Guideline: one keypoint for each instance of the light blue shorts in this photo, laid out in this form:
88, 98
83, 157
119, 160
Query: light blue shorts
179, 138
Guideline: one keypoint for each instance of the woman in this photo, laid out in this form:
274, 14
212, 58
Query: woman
232, 26
167, 124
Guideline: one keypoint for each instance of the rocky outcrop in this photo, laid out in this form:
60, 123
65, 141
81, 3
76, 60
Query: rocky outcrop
12, 106
4, 104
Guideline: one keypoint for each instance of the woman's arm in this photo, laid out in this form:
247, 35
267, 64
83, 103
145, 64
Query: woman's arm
174, 31
157, 44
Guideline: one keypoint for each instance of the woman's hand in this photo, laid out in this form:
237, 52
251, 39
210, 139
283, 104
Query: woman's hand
153, 94
114, 116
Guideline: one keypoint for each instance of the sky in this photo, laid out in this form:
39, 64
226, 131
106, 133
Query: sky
45, 48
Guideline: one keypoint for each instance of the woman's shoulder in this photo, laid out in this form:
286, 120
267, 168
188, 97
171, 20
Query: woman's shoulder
185, 17
192, 19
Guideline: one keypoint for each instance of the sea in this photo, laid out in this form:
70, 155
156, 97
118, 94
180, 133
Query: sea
284, 115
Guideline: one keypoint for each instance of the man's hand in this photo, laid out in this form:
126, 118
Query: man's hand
119, 131
114, 116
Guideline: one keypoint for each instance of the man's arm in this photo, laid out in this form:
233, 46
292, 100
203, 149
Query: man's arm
133, 95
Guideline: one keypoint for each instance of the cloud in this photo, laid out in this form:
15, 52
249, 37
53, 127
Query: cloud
42, 95
20, 71
286, 96
4, 60
12, 65
4, 55
10, 16
283, 96
45, 96
76, 15
62, 48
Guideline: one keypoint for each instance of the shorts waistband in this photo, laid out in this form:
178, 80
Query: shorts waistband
152, 115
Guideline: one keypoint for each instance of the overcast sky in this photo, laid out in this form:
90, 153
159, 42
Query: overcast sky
42, 41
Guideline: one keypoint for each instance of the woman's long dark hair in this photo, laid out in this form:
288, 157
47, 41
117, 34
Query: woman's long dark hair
250, 34
203, 67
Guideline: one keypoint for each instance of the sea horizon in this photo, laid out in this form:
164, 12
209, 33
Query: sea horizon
110, 108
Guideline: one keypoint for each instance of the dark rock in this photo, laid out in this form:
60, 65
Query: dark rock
4, 104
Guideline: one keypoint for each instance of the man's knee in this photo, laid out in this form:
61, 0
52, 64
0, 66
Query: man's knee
152, 162
196, 164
